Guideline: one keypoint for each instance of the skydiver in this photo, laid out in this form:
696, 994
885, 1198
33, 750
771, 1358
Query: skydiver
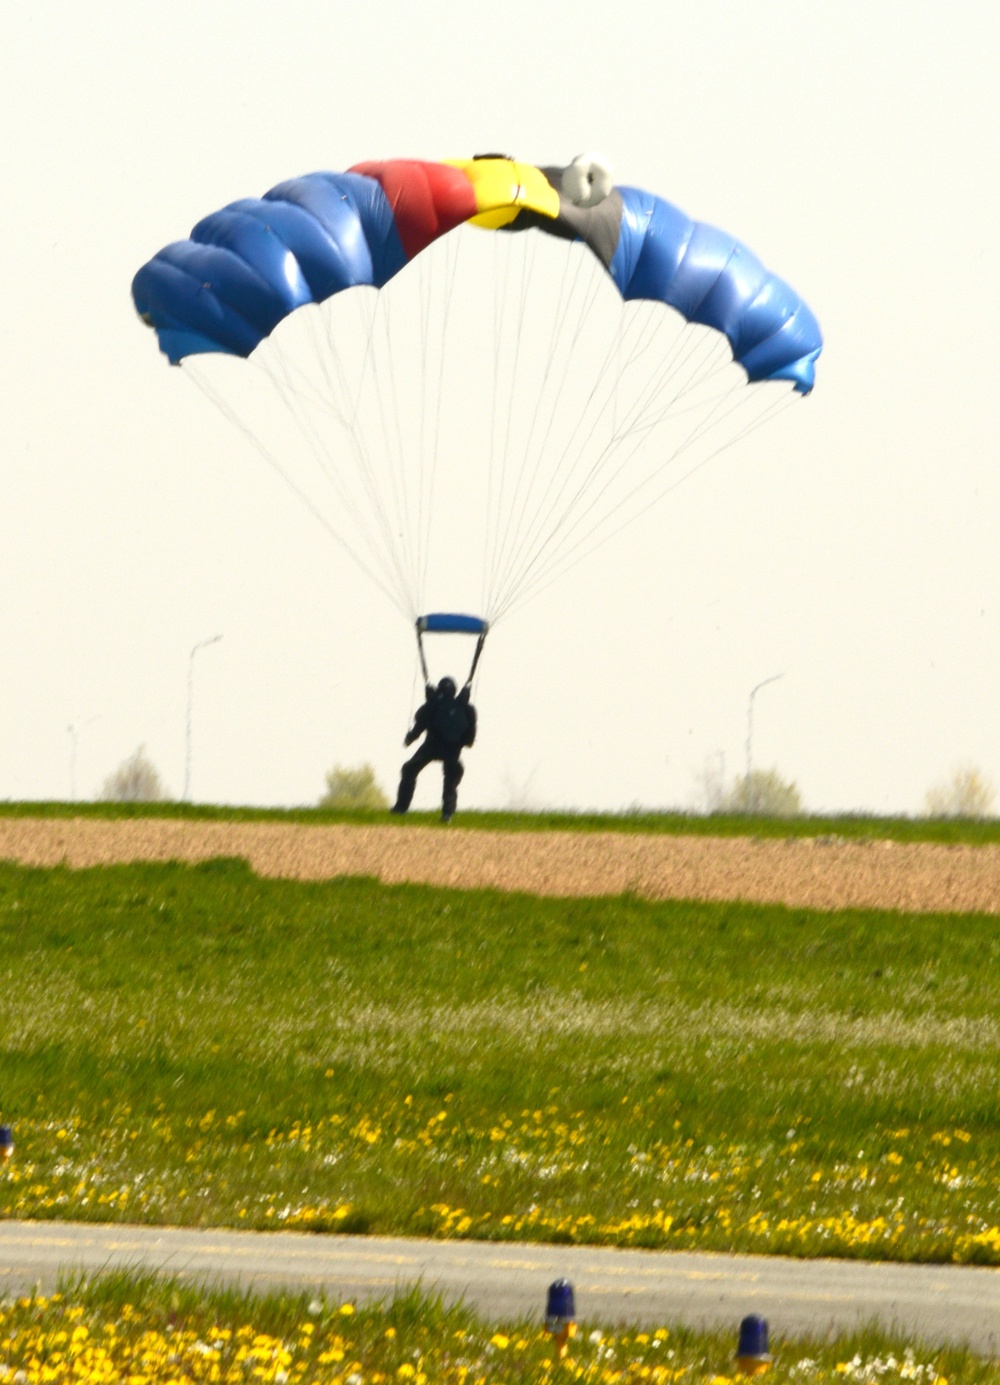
447, 721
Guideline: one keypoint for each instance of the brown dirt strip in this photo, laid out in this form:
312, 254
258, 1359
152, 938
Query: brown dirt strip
803, 872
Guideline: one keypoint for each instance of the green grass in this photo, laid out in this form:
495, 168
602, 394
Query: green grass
200, 1046
137, 1326
850, 827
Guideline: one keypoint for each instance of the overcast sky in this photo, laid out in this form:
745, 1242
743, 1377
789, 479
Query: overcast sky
850, 546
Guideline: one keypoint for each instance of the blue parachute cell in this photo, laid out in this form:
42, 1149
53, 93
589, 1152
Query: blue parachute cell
710, 278
248, 266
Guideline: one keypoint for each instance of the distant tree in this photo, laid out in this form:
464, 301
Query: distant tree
518, 797
965, 794
710, 785
136, 780
356, 787
763, 793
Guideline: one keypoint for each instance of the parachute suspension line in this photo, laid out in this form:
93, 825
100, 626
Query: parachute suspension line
412, 448
588, 291
384, 498
369, 471
573, 315
576, 307
777, 406
475, 659
502, 248
634, 419
285, 392
269, 457
551, 553
566, 301
527, 273
570, 517
314, 439
297, 390
500, 540
560, 565
383, 377
338, 387
765, 416
423, 657
700, 427
350, 413
586, 422
679, 369
496, 528
502, 399
425, 268
382, 492
557, 472
519, 389
501, 569
381, 363
452, 248
410, 471
336, 400
567, 467
651, 416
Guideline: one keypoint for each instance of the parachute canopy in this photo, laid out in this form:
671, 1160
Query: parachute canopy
507, 404
247, 267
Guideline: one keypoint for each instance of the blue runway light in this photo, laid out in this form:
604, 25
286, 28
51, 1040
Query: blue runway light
560, 1307
6, 1142
752, 1353
560, 1315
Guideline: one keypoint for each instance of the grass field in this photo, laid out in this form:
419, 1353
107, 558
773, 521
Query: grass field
198, 1045
852, 827
139, 1328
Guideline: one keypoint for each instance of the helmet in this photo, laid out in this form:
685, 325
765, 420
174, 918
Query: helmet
446, 687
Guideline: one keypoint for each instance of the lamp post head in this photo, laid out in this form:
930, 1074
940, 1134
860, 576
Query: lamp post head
202, 644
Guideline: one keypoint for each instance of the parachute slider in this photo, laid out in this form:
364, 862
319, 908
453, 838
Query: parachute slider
451, 623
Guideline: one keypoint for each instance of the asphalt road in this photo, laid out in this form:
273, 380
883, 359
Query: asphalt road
933, 1303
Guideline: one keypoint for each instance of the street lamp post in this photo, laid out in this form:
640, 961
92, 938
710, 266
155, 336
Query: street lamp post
751, 796
203, 644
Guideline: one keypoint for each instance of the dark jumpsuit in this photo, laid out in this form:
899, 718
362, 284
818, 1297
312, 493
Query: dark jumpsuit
442, 741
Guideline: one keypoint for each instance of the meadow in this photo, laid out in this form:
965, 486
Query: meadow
200, 1046
139, 1328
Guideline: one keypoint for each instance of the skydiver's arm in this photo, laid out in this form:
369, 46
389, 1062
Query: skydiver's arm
419, 722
